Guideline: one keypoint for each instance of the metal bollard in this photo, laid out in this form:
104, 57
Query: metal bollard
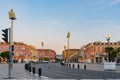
73, 65
69, 65
29, 69
39, 72
33, 70
78, 66
25, 66
84, 66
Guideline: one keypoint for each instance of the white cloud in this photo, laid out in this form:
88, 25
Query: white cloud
112, 3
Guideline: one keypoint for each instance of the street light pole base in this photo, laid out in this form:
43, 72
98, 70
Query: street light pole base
9, 77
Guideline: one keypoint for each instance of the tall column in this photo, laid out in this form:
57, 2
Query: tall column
68, 36
108, 39
12, 17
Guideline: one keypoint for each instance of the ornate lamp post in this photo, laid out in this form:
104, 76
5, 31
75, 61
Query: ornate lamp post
92, 50
92, 53
68, 36
85, 58
108, 39
64, 55
42, 44
76, 55
31, 55
40, 57
12, 17
22, 55
84, 54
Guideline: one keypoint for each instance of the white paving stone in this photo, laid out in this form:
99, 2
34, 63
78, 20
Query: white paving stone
18, 73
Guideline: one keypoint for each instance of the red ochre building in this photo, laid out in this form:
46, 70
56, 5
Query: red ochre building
48, 53
72, 56
92, 52
24, 52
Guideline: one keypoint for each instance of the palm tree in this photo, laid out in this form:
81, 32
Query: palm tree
118, 51
109, 50
113, 55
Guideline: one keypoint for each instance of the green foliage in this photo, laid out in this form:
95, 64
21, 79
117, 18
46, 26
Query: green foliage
112, 52
109, 49
118, 49
4, 54
113, 55
46, 59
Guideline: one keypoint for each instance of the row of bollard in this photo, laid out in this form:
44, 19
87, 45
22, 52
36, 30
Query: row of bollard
78, 66
32, 69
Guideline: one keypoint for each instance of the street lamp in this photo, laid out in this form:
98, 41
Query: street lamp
31, 55
85, 58
42, 48
76, 55
22, 54
40, 57
42, 44
108, 39
12, 17
68, 36
64, 53
84, 54
92, 53
92, 50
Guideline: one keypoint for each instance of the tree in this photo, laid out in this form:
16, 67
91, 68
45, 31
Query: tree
4, 54
46, 59
118, 51
109, 50
113, 55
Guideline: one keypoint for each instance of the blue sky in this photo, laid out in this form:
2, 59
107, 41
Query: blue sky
50, 20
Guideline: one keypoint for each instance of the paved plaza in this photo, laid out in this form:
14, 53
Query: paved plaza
95, 67
18, 72
55, 71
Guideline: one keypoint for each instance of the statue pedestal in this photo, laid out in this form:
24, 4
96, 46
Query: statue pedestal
109, 66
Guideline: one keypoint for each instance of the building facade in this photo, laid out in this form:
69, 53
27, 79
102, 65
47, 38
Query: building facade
46, 53
95, 52
26, 53
91, 53
22, 52
70, 55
